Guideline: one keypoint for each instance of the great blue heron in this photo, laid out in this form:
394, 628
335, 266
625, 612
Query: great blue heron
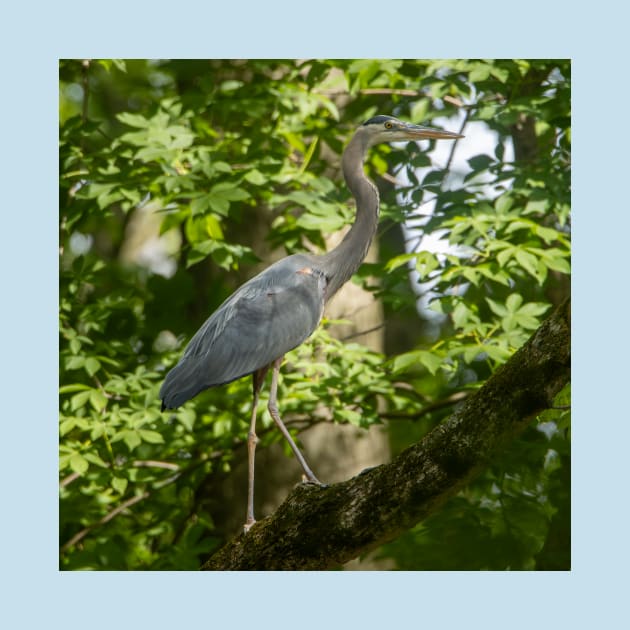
279, 308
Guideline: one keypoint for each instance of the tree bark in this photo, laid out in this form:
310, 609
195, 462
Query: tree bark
321, 528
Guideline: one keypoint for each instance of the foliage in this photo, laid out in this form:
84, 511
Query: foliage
194, 154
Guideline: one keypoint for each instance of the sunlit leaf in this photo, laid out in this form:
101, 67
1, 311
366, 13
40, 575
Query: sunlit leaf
79, 464
120, 484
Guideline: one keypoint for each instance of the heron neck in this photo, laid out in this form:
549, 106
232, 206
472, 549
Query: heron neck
342, 262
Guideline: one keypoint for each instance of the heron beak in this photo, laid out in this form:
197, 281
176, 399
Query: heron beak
416, 132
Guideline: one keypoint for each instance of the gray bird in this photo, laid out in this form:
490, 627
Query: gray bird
279, 308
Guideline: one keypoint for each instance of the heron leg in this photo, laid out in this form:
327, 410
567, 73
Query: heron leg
258, 378
273, 410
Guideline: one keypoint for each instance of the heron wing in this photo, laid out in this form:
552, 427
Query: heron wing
268, 316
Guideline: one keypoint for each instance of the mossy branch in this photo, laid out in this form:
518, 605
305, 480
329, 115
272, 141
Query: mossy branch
322, 528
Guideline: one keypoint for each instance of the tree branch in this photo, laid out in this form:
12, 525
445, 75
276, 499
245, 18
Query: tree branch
321, 528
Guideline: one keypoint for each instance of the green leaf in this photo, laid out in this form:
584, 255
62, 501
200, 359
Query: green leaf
74, 362
120, 484
399, 261
496, 308
542, 271
200, 205
130, 437
255, 177
535, 309
67, 425
308, 156
513, 302
419, 110
92, 366
432, 362
471, 274
137, 139
75, 387
93, 458
471, 352
229, 191
426, 262
78, 401
349, 415
480, 72
528, 261
501, 74
555, 259
402, 362
224, 254
79, 464
98, 431
199, 228
98, 400
187, 418
120, 64
181, 137
505, 254
310, 221
547, 234
539, 207
518, 224
504, 203
133, 120
220, 205
230, 85
213, 227
461, 314
153, 437
497, 275
497, 353
480, 162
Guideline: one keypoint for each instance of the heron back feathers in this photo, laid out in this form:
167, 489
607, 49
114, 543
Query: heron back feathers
266, 317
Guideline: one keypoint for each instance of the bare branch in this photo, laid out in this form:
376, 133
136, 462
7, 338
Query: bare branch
428, 408
108, 517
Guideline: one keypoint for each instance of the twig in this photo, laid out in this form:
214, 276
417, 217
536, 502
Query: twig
360, 333
371, 91
86, 88
158, 485
439, 404
66, 481
108, 517
451, 153
138, 463
151, 463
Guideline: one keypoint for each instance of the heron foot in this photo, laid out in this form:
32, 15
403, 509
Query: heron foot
248, 525
314, 481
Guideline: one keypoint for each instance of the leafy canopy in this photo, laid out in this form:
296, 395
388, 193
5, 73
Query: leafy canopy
170, 169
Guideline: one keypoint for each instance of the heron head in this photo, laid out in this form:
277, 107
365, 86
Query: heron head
389, 129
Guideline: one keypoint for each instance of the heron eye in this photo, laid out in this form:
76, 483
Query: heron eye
388, 125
